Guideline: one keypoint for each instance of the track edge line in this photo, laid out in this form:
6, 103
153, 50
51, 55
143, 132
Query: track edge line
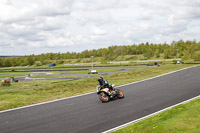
150, 115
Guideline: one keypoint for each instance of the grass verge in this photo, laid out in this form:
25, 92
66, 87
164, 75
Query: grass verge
8, 76
30, 92
49, 76
183, 118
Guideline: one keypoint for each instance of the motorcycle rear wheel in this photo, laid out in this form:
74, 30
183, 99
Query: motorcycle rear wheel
104, 97
120, 93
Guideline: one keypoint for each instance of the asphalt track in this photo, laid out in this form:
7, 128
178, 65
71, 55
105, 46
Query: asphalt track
86, 114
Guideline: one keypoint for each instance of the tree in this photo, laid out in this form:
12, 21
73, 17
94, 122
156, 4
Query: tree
187, 50
1, 62
157, 53
13, 62
30, 60
196, 56
38, 63
7, 63
60, 62
166, 54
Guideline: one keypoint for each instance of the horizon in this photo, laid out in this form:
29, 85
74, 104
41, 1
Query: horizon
2, 56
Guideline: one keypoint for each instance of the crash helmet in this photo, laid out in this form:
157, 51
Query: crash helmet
100, 79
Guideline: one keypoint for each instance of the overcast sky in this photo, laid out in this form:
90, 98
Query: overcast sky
41, 26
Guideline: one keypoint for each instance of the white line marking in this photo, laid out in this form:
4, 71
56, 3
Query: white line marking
89, 92
46, 102
145, 117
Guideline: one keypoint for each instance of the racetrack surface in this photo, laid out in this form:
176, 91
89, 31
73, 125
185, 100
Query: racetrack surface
86, 114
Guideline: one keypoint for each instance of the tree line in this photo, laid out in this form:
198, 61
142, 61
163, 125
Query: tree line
185, 49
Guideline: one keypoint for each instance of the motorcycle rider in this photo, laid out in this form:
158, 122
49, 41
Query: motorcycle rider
103, 83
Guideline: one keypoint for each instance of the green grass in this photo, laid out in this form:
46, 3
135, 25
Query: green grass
181, 119
49, 76
8, 76
13, 73
29, 92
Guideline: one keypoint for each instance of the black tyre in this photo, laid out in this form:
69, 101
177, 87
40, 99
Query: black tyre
104, 97
120, 94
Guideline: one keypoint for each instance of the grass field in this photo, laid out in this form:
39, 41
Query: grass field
181, 119
8, 76
30, 92
49, 76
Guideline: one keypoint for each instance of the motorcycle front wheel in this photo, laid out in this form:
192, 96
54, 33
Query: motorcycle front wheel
104, 97
120, 93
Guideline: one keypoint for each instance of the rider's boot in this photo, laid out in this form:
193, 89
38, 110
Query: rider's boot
111, 96
113, 93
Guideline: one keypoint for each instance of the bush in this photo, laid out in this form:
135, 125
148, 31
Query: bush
196, 56
174, 61
60, 62
104, 62
38, 63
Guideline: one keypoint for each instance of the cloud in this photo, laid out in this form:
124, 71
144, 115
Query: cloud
98, 31
40, 26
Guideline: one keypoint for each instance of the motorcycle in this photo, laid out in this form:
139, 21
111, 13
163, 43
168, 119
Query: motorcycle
106, 94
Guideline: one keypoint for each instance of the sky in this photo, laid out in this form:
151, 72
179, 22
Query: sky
44, 26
